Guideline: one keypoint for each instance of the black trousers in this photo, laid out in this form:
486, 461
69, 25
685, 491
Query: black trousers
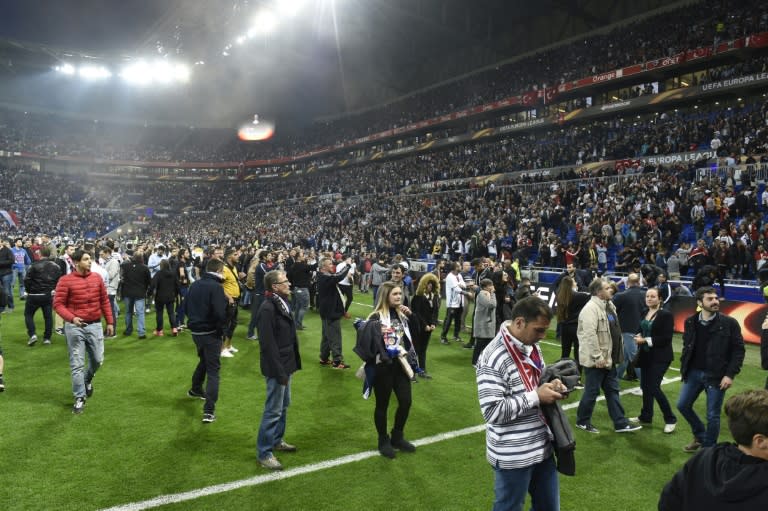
568, 339
347, 291
391, 378
207, 370
33, 303
420, 343
452, 314
159, 314
231, 323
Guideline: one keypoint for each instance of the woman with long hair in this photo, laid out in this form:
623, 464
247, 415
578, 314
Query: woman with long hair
391, 375
654, 342
569, 304
425, 304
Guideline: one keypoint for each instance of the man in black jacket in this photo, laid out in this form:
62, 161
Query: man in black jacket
40, 281
279, 360
331, 306
713, 353
6, 272
207, 312
136, 281
300, 276
629, 308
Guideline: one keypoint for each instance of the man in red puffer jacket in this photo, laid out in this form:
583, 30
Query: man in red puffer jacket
81, 299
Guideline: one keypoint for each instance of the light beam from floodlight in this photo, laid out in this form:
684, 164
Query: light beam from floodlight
289, 8
264, 23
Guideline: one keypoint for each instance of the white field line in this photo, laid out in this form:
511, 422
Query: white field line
173, 498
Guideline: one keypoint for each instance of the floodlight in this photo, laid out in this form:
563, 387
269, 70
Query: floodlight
181, 73
94, 72
241, 39
137, 73
162, 71
67, 69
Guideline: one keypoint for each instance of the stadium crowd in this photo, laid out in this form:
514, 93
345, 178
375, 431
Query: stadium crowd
651, 38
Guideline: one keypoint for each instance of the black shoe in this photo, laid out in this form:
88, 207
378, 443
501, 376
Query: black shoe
2, 384
325, 362
142, 337
208, 418
589, 428
340, 365
469, 345
399, 442
196, 394
385, 447
88, 389
78, 406
127, 333
425, 375
60, 331
629, 377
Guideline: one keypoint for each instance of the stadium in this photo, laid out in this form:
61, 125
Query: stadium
619, 138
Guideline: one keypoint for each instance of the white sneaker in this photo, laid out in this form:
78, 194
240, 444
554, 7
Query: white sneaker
669, 428
233, 349
32, 340
227, 354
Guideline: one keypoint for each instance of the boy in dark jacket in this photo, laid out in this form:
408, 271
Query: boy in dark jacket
207, 311
727, 476
165, 289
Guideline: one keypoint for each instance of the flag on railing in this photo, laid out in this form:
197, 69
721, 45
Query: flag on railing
10, 217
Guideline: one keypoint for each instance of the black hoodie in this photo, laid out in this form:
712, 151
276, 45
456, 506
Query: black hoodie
719, 478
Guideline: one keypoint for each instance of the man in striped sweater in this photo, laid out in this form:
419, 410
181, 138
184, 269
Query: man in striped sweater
518, 440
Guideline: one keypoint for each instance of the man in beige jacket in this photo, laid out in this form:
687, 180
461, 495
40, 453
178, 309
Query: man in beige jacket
595, 348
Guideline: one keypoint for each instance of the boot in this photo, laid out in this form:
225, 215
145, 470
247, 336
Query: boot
399, 442
385, 447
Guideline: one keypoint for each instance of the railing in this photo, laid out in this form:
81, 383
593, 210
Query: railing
758, 172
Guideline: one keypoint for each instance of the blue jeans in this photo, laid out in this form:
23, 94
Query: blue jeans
114, 307
696, 383
7, 281
594, 380
18, 275
301, 295
630, 348
272, 426
540, 480
81, 342
129, 305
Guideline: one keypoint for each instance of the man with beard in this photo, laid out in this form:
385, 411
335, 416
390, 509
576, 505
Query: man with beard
713, 353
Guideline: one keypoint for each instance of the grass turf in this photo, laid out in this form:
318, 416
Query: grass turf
141, 436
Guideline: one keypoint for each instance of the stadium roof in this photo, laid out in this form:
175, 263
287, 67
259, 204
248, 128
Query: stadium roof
333, 56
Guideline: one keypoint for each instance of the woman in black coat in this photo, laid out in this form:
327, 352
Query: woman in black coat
424, 306
570, 301
165, 288
654, 342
